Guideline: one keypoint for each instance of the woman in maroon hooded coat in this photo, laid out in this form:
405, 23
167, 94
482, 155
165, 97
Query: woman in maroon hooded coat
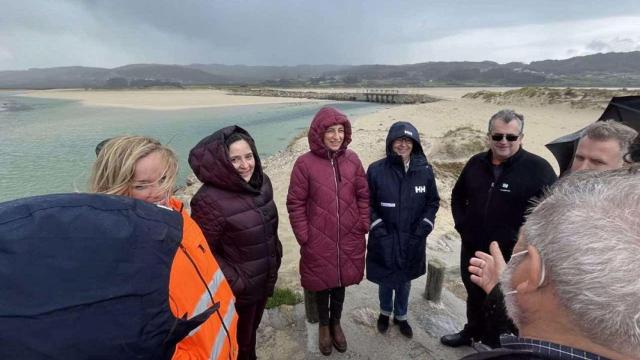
235, 209
328, 203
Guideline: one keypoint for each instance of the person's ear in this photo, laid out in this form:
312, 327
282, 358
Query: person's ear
532, 270
521, 136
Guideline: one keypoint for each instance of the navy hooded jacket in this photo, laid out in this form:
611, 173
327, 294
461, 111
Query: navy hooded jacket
86, 276
403, 210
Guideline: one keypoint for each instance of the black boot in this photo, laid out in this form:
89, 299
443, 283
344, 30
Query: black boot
383, 323
457, 339
405, 328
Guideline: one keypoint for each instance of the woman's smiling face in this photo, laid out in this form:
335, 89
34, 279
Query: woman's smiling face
242, 158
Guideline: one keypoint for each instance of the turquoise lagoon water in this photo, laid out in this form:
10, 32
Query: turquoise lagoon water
47, 146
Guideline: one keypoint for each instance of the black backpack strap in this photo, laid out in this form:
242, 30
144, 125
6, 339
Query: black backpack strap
182, 327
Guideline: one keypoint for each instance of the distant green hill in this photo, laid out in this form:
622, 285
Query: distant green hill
610, 69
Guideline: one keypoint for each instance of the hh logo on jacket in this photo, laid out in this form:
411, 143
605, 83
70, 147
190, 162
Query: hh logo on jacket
421, 189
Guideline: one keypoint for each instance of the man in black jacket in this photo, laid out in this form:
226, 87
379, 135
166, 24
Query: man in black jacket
489, 202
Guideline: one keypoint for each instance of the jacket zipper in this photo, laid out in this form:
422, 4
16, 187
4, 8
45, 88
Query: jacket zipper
403, 177
486, 205
264, 233
490, 195
335, 180
399, 207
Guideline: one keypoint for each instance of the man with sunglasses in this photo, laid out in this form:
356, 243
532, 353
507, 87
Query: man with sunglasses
489, 202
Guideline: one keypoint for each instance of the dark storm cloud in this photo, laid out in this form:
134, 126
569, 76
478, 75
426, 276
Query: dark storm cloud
116, 32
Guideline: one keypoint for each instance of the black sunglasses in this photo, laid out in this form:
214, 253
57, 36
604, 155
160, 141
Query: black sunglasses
499, 137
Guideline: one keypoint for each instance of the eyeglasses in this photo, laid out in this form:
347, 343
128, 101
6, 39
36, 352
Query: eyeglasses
509, 137
404, 139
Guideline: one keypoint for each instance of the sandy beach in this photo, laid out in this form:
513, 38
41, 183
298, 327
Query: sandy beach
177, 99
159, 99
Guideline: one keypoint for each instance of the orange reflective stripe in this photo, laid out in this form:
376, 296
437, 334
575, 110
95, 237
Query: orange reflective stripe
205, 300
221, 339
189, 296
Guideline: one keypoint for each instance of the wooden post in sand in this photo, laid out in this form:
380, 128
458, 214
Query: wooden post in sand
310, 307
435, 279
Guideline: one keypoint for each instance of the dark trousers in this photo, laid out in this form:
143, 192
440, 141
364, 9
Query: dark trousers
475, 297
249, 317
329, 304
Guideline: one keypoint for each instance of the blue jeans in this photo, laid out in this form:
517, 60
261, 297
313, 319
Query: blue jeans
397, 306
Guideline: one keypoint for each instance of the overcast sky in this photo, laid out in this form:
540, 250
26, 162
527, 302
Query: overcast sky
110, 33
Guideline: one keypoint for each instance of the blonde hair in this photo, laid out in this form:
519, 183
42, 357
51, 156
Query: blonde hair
114, 170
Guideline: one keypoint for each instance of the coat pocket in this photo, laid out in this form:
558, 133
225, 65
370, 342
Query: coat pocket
423, 228
380, 248
417, 255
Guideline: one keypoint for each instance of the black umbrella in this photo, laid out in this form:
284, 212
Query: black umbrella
563, 149
625, 109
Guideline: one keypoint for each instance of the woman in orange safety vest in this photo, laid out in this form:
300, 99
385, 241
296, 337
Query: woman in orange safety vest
144, 169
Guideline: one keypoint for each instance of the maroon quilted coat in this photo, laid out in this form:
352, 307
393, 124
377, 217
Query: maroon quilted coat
328, 203
239, 221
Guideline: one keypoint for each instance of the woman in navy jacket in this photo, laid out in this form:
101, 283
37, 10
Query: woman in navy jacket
404, 201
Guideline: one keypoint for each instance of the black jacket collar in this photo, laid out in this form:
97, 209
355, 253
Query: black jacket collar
510, 161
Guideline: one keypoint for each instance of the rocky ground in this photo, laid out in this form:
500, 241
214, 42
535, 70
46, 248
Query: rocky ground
284, 333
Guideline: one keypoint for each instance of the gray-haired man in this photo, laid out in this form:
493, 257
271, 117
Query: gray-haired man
571, 286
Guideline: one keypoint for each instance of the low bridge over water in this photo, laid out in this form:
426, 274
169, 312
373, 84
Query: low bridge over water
381, 95
384, 96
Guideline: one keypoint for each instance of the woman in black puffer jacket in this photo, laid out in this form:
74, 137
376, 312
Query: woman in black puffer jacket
235, 209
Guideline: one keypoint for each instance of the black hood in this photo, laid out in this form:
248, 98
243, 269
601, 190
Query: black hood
209, 160
404, 129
